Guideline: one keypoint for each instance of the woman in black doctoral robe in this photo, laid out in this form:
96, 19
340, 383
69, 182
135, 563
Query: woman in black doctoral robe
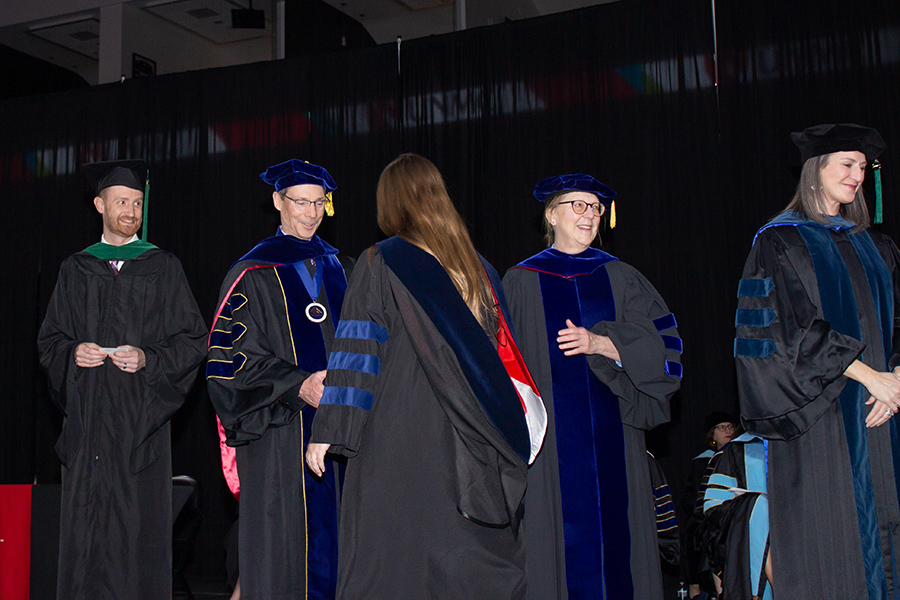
604, 352
428, 399
814, 351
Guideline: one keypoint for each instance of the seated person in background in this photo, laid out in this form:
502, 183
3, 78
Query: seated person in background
719, 428
735, 528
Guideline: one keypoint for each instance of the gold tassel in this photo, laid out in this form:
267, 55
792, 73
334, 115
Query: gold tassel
329, 205
612, 215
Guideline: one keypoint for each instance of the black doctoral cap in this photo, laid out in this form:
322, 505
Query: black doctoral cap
714, 418
841, 137
130, 173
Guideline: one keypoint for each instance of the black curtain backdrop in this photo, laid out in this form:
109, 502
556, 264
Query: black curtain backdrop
630, 92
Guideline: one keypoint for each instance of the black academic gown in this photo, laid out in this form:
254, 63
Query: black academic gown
806, 310
435, 475
261, 350
570, 566
695, 563
666, 520
116, 518
734, 526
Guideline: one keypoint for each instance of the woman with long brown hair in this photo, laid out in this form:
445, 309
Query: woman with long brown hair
429, 400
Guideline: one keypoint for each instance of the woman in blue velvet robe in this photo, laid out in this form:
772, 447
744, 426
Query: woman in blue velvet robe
604, 352
814, 350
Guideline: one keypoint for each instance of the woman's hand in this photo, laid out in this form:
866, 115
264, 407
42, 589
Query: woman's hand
315, 457
879, 415
884, 389
577, 340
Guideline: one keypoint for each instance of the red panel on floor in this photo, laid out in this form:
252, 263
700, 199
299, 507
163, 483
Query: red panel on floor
15, 541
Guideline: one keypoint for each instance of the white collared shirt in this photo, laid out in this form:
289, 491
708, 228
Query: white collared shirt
119, 263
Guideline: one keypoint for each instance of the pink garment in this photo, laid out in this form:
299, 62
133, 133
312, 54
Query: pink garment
229, 464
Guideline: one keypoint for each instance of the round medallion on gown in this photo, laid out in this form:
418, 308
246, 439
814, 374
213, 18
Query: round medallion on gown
315, 312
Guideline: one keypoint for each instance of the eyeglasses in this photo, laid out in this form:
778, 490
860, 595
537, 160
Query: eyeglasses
579, 206
724, 427
304, 204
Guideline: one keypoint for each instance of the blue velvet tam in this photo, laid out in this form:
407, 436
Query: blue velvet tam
576, 182
298, 172
843, 137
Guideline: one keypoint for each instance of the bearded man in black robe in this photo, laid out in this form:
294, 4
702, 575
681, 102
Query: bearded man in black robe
121, 342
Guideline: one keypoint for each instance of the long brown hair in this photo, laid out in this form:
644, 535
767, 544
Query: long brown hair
413, 203
808, 201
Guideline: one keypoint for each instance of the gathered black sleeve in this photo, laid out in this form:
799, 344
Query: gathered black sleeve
172, 361
790, 363
251, 387
646, 336
356, 358
891, 256
56, 341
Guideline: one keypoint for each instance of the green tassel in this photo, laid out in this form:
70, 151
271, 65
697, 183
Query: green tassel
147, 205
876, 166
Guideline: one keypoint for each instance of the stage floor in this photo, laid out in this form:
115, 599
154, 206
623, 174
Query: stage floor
204, 587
